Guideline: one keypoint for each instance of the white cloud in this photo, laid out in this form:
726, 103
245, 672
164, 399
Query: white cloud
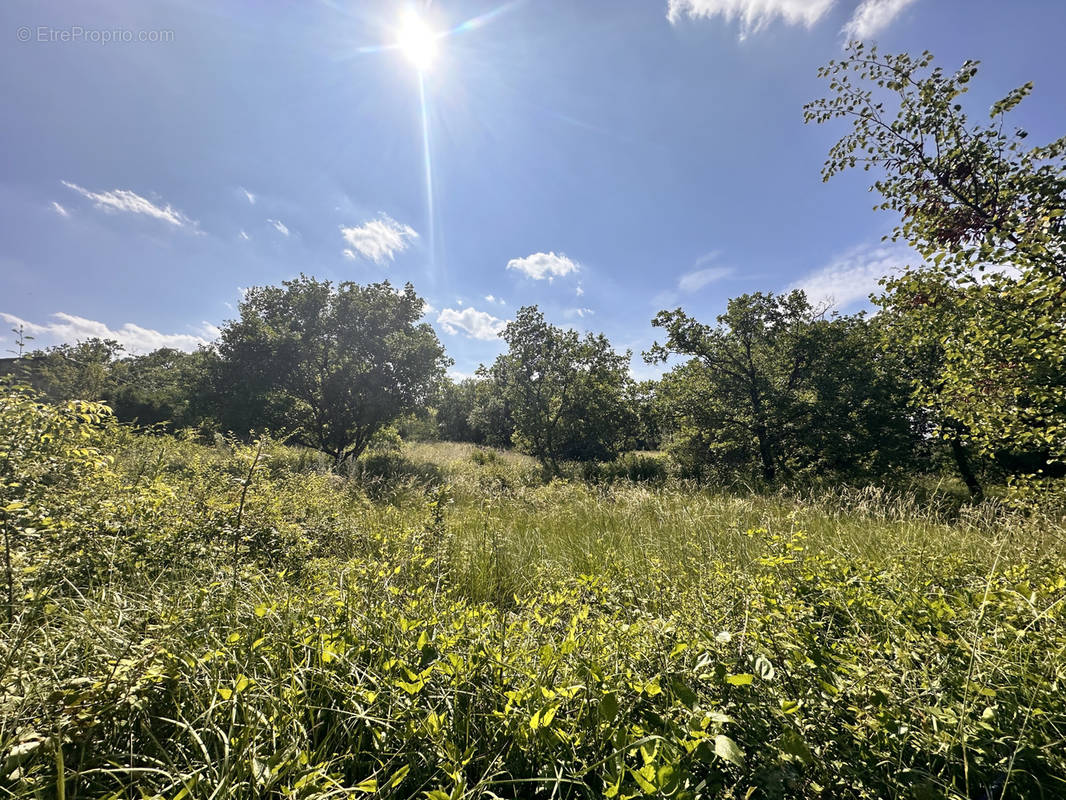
60, 210
543, 265
125, 200
694, 281
579, 291
580, 313
873, 16
244, 236
489, 298
753, 15
279, 226
249, 195
476, 324
378, 240
854, 276
70, 328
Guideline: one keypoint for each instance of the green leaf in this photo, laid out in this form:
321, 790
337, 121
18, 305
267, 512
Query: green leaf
608, 709
794, 745
726, 749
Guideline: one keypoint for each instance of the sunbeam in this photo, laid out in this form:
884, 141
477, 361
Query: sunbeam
428, 164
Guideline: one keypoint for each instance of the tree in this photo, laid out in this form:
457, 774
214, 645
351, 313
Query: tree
988, 216
566, 394
776, 387
455, 404
166, 386
80, 371
491, 418
331, 365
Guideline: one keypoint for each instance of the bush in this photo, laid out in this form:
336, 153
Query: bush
634, 467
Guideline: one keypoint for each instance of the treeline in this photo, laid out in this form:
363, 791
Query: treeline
963, 367
775, 390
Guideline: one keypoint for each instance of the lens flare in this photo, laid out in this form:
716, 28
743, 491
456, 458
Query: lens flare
418, 42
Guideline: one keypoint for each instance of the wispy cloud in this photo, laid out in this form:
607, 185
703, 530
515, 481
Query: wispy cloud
753, 15
489, 298
378, 240
697, 279
133, 203
70, 328
248, 195
869, 17
580, 313
580, 290
244, 235
539, 266
279, 226
873, 16
854, 275
475, 324
59, 209
694, 280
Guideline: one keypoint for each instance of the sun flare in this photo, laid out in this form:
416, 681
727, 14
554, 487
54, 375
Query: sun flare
418, 42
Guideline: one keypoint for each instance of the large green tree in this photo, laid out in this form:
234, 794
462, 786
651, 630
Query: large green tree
776, 389
988, 215
330, 364
568, 395
83, 370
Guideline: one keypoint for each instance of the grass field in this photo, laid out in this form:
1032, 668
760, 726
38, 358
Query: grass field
235, 622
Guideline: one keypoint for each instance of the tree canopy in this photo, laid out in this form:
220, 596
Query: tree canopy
776, 386
331, 365
988, 215
568, 395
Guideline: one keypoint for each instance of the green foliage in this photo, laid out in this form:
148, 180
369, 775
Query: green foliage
776, 389
634, 467
330, 365
455, 404
988, 214
567, 395
520, 641
165, 387
80, 371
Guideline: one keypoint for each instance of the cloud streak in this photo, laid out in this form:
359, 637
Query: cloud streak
132, 203
70, 328
753, 15
853, 276
873, 16
869, 18
698, 279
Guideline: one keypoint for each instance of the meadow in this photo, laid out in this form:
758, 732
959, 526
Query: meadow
440, 621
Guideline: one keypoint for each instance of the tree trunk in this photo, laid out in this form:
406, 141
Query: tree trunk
766, 454
962, 461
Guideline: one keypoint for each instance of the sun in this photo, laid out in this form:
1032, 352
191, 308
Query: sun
417, 42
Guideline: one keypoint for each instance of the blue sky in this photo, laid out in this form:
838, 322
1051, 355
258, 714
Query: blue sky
602, 159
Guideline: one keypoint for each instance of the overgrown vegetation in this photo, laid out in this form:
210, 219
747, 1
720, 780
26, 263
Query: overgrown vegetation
238, 621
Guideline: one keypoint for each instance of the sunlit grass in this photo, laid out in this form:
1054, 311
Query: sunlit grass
446, 624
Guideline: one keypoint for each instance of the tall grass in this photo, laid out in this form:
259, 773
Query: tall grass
444, 624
